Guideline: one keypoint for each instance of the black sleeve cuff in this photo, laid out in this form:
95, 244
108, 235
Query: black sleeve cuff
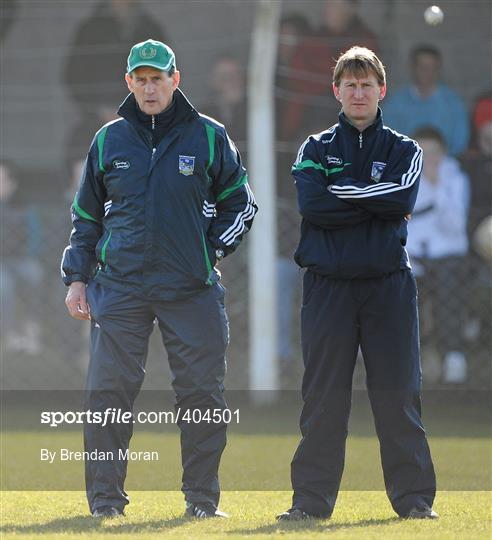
68, 280
218, 244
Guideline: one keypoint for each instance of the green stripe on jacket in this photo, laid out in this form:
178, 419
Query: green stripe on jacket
243, 180
81, 212
309, 164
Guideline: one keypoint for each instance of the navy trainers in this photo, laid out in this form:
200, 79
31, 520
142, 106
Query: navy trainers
203, 511
422, 512
107, 512
295, 514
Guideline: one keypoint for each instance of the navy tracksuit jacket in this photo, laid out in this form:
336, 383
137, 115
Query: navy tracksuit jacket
147, 220
355, 190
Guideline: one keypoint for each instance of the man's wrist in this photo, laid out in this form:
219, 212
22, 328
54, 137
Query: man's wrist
73, 278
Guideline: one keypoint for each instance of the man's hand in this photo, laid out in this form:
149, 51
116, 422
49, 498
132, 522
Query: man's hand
76, 301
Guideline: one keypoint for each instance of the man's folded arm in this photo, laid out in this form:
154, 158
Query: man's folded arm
393, 198
316, 204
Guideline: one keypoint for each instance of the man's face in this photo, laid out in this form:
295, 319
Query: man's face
359, 97
227, 81
288, 39
433, 156
153, 89
338, 14
426, 70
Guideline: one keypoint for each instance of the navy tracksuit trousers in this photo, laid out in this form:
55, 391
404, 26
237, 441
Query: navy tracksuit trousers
380, 316
195, 332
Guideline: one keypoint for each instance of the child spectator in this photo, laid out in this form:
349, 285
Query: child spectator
437, 245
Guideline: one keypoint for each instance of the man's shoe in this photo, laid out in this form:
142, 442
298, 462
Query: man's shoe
107, 512
294, 514
422, 512
204, 511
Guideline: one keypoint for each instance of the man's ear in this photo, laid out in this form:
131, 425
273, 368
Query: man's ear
129, 81
176, 77
336, 91
382, 92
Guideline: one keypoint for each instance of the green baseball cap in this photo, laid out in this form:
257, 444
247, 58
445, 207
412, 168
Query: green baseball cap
151, 53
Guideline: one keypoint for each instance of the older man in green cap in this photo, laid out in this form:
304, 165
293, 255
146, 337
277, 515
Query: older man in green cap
162, 199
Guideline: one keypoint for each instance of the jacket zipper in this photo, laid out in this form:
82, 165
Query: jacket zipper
360, 140
153, 128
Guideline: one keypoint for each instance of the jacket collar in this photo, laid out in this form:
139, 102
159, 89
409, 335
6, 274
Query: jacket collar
184, 109
377, 125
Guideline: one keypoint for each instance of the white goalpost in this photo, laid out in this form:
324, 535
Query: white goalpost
261, 164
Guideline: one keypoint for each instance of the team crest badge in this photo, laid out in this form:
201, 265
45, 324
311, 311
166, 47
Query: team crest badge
377, 170
186, 165
148, 52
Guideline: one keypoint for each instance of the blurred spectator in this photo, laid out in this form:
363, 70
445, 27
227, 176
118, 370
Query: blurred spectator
313, 106
428, 102
438, 243
227, 102
8, 15
482, 125
20, 267
478, 162
100, 45
79, 140
293, 29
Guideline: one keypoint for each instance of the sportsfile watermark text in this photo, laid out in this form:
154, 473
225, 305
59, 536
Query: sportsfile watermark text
119, 416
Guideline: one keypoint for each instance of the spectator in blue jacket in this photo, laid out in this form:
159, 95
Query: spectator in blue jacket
429, 102
20, 267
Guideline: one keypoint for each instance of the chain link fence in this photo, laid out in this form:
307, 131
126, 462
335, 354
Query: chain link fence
42, 347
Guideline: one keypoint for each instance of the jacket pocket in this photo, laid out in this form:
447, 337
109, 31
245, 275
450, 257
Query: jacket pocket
317, 250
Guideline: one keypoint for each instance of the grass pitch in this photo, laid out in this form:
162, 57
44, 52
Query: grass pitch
256, 458
157, 515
